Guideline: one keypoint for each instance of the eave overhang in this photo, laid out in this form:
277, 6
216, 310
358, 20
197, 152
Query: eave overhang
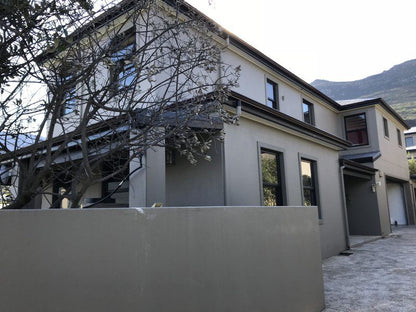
363, 157
353, 168
376, 101
303, 129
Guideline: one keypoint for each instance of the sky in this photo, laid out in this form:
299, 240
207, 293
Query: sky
337, 40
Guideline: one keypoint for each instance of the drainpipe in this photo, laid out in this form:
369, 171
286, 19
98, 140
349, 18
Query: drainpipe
344, 204
238, 113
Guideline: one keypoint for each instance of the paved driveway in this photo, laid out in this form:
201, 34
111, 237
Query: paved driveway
379, 276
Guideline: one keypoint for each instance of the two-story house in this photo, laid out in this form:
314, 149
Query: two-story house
410, 142
293, 146
377, 194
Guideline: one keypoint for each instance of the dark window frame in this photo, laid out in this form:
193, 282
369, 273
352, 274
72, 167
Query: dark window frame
347, 132
311, 112
107, 167
313, 188
399, 137
279, 191
69, 85
272, 102
386, 127
409, 138
123, 68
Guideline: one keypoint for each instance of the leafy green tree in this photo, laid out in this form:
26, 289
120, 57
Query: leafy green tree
412, 165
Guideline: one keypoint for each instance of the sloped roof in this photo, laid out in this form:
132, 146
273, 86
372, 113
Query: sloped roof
359, 103
410, 131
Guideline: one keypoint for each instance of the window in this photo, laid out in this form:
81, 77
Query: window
356, 129
386, 127
308, 115
271, 167
68, 84
309, 183
122, 69
399, 137
409, 141
272, 94
116, 189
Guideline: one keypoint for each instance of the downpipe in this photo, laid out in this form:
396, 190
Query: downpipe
344, 204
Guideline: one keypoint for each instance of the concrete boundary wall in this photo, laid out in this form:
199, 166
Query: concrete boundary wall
161, 259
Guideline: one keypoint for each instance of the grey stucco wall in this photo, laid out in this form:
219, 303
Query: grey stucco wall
161, 259
196, 185
243, 185
362, 207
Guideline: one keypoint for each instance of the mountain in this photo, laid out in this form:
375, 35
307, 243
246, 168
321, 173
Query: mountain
397, 86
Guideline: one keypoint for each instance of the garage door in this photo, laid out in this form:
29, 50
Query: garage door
396, 203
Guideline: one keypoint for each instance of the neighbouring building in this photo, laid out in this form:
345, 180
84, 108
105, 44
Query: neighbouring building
410, 142
293, 146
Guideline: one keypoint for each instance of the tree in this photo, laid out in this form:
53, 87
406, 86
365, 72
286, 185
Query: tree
412, 165
137, 75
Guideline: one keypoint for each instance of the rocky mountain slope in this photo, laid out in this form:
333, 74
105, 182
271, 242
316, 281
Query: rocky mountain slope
397, 86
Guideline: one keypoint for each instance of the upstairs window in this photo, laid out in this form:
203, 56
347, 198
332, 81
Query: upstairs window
399, 137
122, 69
272, 94
308, 114
386, 128
68, 85
271, 169
309, 183
409, 141
356, 129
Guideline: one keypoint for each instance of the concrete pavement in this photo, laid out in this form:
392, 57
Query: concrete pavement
379, 276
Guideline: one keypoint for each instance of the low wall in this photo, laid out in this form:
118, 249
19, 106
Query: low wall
161, 259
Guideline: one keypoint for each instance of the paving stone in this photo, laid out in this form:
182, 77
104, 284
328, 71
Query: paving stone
379, 276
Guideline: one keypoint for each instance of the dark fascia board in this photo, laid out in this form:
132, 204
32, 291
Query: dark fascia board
354, 166
260, 110
376, 101
363, 157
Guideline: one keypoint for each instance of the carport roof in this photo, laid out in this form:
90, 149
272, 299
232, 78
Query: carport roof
356, 169
363, 157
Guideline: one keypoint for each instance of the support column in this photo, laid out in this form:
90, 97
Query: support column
147, 185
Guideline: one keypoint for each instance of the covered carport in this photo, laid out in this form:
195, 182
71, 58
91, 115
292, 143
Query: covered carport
361, 204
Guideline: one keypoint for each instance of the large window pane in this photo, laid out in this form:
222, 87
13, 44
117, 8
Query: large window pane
269, 168
271, 90
308, 116
123, 70
309, 183
356, 129
409, 141
269, 196
271, 178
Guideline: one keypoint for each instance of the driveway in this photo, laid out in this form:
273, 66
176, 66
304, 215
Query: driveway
379, 276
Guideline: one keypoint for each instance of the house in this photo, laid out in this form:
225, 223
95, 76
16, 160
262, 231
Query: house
410, 141
293, 146
377, 191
